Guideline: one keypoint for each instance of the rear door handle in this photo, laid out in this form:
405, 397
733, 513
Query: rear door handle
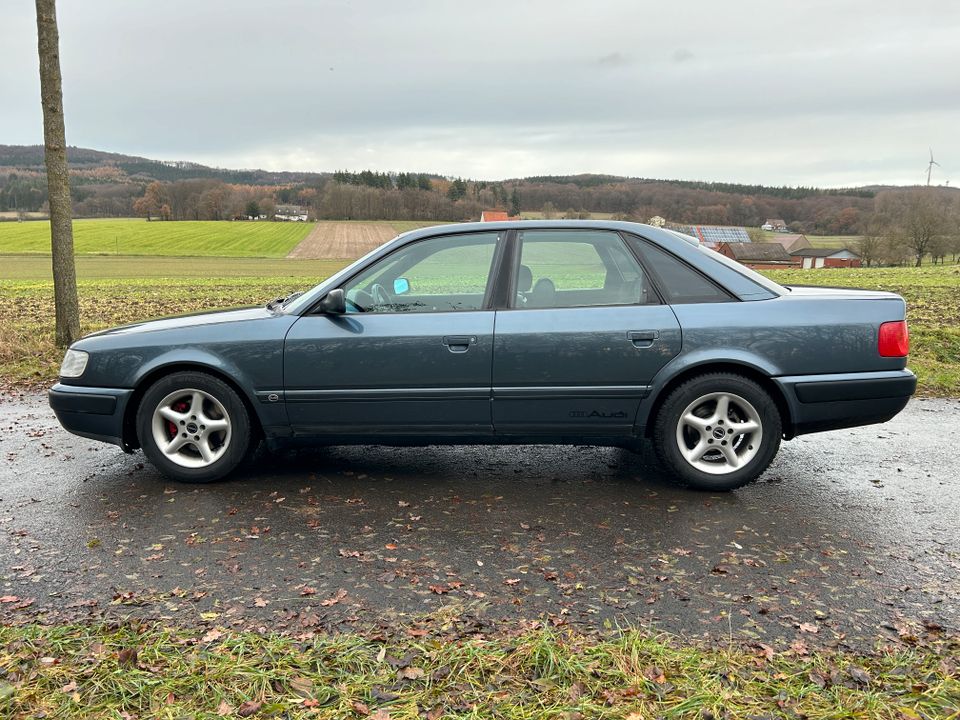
642, 338
459, 343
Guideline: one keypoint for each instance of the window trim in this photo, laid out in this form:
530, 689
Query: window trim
516, 255
485, 305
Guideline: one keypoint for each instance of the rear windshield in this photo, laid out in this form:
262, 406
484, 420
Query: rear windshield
753, 275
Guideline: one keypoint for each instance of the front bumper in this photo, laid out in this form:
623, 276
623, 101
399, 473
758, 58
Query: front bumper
95, 413
831, 402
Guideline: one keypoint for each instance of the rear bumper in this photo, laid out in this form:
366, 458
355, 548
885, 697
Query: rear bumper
831, 402
95, 413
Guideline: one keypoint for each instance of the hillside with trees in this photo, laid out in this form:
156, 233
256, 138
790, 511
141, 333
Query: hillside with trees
105, 184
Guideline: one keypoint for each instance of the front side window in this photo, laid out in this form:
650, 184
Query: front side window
440, 274
578, 268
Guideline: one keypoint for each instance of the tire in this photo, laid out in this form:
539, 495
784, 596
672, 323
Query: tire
707, 449
193, 427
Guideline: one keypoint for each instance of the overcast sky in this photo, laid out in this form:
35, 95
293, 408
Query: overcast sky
839, 92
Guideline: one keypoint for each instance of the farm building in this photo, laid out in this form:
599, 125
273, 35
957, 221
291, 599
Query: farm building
293, 213
759, 256
791, 242
713, 235
497, 216
775, 224
826, 258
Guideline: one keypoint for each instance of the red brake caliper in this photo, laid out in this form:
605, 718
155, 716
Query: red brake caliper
180, 406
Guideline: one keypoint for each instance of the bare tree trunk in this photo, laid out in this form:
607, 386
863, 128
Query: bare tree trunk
58, 178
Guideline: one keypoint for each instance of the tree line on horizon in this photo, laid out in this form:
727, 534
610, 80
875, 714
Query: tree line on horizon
103, 191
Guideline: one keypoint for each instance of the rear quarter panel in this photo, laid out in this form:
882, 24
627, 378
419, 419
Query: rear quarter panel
799, 335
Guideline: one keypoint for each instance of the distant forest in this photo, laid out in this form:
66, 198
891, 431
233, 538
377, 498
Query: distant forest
114, 185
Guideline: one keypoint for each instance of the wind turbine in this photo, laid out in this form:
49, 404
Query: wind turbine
930, 166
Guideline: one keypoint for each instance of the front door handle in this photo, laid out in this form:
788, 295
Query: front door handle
642, 338
459, 343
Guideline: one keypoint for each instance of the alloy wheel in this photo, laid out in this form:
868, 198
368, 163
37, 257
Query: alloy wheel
191, 427
719, 433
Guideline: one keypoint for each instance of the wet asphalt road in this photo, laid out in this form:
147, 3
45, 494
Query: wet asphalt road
851, 537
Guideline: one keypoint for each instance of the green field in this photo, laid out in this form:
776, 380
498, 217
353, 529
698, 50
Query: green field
119, 290
824, 241
139, 237
102, 267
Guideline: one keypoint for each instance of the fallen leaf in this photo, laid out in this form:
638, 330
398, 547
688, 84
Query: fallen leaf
381, 715
224, 709
249, 708
302, 686
308, 591
655, 674
69, 687
212, 635
127, 656
812, 628
410, 673
9, 599
360, 708
337, 597
764, 649
860, 675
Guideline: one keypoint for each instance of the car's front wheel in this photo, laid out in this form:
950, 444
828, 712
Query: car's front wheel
193, 427
717, 431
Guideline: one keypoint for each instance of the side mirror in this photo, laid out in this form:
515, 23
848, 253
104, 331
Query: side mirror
333, 303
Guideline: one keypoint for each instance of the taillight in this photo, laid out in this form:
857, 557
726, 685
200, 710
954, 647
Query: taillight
894, 339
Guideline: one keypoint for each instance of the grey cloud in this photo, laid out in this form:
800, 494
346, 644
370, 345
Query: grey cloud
817, 92
614, 59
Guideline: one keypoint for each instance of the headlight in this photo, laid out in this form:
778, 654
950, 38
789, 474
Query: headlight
74, 363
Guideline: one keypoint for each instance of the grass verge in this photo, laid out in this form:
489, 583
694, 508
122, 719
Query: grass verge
148, 670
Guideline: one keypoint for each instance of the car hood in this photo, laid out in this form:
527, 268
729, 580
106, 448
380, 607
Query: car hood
179, 322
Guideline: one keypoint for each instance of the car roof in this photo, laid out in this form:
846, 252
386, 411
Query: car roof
621, 225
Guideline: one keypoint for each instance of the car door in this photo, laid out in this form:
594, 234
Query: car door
584, 334
413, 352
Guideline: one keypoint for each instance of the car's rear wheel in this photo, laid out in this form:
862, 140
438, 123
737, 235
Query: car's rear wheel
717, 431
193, 427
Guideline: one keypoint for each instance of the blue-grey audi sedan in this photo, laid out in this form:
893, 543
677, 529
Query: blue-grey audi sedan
566, 332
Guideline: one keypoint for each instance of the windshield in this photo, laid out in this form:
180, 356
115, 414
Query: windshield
304, 300
759, 279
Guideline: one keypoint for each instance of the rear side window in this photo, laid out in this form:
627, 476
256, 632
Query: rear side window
577, 268
679, 282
